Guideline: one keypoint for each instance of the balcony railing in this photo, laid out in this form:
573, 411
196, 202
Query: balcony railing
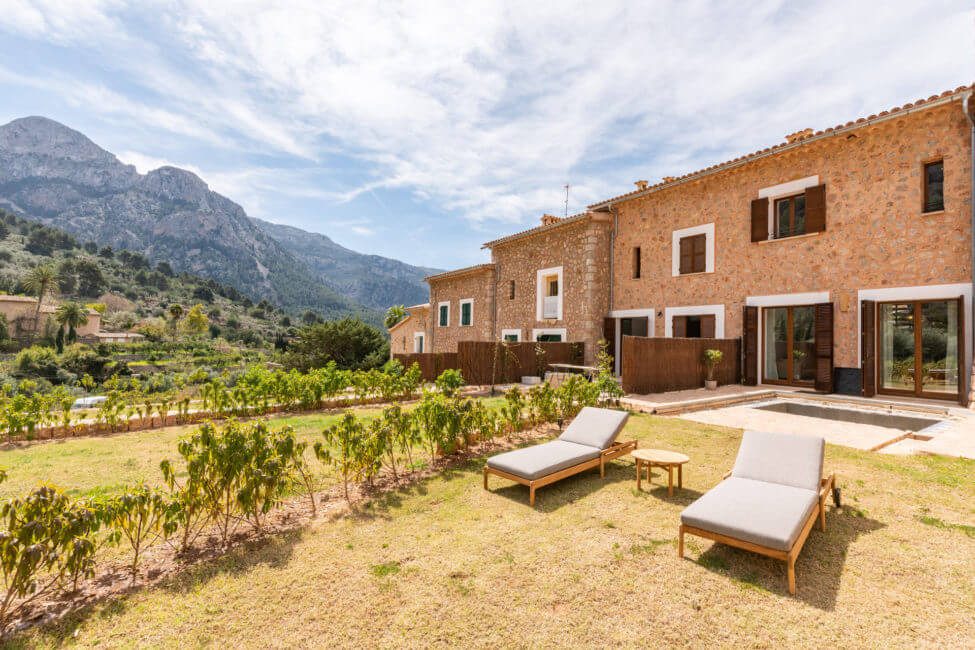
550, 307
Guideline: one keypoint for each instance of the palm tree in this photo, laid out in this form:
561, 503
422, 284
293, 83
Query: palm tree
38, 282
394, 314
71, 315
175, 313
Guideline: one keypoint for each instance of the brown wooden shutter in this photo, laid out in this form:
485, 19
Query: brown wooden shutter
816, 208
868, 347
707, 326
699, 249
609, 333
686, 255
824, 347
760, 220
962, 374
680, 326
749, 329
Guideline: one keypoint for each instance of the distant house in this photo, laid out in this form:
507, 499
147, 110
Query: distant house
410, 334
20, 310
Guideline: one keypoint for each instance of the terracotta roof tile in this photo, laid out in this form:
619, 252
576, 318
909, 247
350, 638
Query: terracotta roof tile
456, 272
798, 141
531, 231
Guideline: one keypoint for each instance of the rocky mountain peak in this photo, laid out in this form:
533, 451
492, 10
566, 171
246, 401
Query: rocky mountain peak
42, 136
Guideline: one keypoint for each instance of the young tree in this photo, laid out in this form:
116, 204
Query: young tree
349, 342
196, 322
175, 313
394, 315
39, 281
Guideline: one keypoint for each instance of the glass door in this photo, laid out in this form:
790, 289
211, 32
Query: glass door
919, 348
789, 347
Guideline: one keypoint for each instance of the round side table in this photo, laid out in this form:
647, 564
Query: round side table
663, 459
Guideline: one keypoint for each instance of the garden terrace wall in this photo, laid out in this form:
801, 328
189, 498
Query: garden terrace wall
658, 365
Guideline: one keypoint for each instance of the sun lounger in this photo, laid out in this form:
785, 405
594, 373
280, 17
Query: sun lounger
769, 502
588, 442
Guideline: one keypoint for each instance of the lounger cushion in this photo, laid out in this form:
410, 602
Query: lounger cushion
767, 514
595, 427
535, 462
783, 458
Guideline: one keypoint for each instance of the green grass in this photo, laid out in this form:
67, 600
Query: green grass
445, 563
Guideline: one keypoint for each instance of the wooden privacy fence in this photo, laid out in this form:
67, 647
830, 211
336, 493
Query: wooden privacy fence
508, 362
658, 365
431, 363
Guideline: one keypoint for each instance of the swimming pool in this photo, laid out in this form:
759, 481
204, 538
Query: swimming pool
853, 416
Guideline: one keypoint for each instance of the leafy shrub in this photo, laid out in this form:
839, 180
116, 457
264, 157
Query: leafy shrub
449, 381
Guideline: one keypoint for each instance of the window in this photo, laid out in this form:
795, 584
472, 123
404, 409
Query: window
934, 180
694, 327
693, 254
511, 336
790, 216
636, 263
418, 342
553, 287
511, 290
549, 335
549, 294
466, 312
444, 311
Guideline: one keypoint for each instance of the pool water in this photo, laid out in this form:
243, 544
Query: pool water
901, 422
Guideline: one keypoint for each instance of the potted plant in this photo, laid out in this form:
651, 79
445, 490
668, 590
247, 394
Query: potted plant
711, 359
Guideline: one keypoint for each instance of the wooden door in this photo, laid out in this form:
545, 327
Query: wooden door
868, 348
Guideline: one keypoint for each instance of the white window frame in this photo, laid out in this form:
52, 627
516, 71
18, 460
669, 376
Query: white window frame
707, 230
782, 190
419, 336
629, 313
549, 330
439, 305
512, 332
460, 312
540, 291
695, 310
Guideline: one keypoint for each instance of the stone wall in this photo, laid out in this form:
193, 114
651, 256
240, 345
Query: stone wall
582, 250
477, 284
401, 336
876, 234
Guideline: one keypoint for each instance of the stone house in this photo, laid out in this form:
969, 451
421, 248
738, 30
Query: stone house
835, 255
19, 311
410, 334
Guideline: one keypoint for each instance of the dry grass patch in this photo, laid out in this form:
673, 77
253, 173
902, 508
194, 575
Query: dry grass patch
443, 562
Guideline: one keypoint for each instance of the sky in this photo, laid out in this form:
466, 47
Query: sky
420, 130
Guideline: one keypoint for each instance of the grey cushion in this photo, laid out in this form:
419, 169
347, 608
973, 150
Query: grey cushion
535, 462
783, 458
767, 514
595, 427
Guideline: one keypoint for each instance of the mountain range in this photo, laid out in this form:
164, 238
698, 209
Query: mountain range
56, 175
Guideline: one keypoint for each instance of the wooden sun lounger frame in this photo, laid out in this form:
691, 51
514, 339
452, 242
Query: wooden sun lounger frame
825, 487
614, 451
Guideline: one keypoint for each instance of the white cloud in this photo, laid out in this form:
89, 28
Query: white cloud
487, 108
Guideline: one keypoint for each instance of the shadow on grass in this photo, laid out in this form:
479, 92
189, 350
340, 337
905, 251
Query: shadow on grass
819, 568
554, 496
274, 550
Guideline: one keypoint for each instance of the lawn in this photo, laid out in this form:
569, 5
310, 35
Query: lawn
444, 562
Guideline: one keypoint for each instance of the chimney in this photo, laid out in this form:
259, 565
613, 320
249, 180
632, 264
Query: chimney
798, 135
549, 219
642, 184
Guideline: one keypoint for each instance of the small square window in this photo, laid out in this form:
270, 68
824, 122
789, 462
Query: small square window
693, 254
934, 183
790, 216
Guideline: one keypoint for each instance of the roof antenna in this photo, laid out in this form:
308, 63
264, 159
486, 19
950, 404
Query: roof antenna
566, 200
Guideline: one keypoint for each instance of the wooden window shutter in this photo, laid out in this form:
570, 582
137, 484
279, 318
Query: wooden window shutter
824, 347
962, 375
686, 255
699, 249
760, 219
749, 345
707, 326
680, 326
816, 208
868, 347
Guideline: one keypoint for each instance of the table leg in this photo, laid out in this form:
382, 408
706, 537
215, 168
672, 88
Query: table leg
680, 476
639, 473
670, 480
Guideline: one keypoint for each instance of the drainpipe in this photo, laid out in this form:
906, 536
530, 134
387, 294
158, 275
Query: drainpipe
971, 202
612, 254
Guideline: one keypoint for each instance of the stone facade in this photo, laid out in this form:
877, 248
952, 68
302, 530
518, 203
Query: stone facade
402, 336
876, 234
474, 283
19, 311
581, 249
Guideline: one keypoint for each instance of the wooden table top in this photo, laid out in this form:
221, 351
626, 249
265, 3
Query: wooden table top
660, 456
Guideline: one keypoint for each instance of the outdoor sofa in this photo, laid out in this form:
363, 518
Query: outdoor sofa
769, 502
588, 442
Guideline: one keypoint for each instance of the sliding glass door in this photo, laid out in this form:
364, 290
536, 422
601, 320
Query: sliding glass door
789, 347
919, 348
